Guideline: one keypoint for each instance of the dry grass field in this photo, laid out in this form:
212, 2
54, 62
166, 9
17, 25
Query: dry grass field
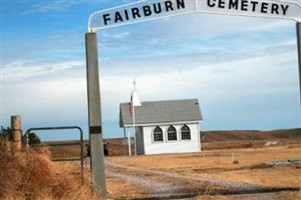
260, 171
218, 165
215, 163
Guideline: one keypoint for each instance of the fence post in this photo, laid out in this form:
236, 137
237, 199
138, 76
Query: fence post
16, 130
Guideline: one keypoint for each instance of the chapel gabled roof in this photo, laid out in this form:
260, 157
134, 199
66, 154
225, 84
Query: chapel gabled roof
158, 112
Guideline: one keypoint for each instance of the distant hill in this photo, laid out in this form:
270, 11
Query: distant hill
232, 135
211, 140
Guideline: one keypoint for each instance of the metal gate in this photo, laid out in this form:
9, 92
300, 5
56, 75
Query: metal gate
81, 157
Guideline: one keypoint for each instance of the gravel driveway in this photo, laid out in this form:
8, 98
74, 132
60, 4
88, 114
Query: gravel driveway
166, 184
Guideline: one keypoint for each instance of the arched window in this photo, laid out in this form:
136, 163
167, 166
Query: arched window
158, 134
185, 133
171, 133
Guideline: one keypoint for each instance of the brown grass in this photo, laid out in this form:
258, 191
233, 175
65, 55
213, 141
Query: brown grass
218, 164
248, 148
30, 174
119, 189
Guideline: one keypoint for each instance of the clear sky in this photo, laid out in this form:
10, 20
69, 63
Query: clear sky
243, 71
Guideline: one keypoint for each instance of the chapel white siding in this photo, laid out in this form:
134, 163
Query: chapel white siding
147, 145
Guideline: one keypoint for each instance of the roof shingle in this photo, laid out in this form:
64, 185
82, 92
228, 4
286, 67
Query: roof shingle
153, 112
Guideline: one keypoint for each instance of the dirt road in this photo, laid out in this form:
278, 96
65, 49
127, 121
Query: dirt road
163, 185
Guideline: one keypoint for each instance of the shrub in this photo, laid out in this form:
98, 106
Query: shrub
32, 139
5, 133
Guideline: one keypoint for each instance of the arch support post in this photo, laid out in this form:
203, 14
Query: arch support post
298, 26
95, 121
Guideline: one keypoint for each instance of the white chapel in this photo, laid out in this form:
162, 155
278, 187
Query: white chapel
170, 126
